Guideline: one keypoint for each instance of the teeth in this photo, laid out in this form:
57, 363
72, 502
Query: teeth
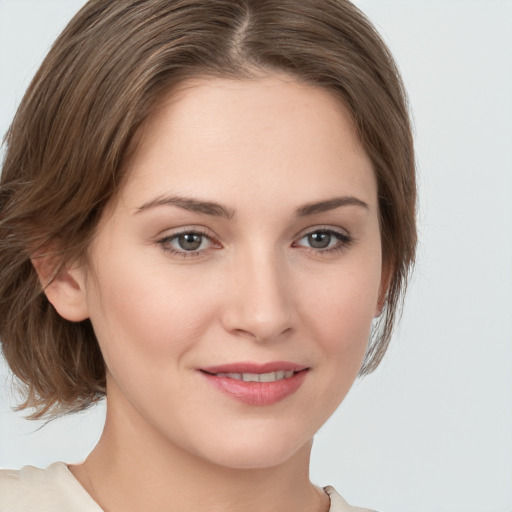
258, 377
236, 376
271, 377
250, 377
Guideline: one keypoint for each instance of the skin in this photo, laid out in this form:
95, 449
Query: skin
255, 290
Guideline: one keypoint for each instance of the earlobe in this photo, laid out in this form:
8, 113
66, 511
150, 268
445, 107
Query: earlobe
65, 290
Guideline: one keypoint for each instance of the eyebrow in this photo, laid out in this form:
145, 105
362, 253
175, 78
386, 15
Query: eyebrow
217, 210
329, 204
191, 204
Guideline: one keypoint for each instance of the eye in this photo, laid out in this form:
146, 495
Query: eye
324, 240
186, 243
190, 241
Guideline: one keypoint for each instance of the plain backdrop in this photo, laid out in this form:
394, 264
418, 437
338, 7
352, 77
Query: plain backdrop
431, 430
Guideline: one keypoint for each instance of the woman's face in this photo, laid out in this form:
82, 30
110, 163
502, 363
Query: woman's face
244, 246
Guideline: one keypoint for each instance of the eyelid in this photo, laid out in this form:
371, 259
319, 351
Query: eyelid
323, 227
344, 238
164, 239
192, 228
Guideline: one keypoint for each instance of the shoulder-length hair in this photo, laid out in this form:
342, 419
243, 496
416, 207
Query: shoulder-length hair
76, 128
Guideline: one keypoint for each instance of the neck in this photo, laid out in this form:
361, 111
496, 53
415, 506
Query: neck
133, 469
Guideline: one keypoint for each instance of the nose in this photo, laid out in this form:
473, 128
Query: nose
259, 302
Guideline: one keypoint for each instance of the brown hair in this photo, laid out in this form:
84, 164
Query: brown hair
76, 124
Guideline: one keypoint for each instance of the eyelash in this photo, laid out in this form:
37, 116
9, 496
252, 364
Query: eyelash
344, 241
167, 248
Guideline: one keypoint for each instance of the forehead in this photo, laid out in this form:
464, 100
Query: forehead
271, 132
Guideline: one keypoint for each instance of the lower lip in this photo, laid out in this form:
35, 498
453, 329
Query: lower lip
258, 393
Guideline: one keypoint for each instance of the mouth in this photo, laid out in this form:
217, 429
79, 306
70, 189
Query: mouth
257, 384
258, 377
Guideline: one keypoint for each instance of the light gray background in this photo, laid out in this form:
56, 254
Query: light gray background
431, 430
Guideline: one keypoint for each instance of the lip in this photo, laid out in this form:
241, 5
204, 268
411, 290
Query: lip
256, 393
248, 367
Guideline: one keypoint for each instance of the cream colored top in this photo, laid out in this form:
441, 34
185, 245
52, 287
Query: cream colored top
55, 489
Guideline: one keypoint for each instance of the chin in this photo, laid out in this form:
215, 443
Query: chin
255, 452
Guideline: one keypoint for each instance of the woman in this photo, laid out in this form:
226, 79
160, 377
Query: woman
204, 207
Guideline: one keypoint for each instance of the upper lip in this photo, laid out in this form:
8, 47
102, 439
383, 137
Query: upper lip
248, 367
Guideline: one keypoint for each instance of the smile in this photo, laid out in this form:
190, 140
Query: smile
257, 385
258, 377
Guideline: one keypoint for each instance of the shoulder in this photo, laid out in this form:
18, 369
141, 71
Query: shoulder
53, 489
338, 504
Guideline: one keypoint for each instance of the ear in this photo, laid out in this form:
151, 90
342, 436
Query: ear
65, 290
385, 281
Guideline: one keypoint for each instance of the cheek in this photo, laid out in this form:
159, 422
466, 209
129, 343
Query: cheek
340, 316
146, 315
345, 308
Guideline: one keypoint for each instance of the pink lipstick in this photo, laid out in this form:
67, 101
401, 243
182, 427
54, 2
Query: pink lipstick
257, 384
